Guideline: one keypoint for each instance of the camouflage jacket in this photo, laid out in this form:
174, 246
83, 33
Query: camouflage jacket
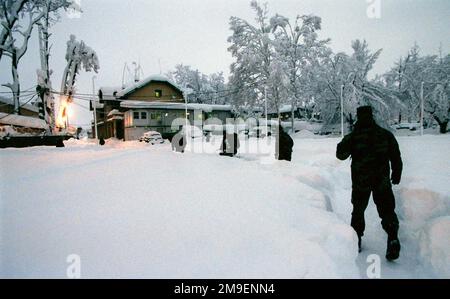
371, 150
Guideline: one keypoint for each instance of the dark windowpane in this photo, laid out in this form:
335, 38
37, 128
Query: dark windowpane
143, 115
158, 93
136, 115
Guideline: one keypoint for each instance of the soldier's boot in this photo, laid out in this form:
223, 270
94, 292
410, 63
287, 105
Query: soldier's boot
393, 249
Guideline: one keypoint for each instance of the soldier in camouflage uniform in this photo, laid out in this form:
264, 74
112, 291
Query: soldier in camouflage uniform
284, 145
372, 149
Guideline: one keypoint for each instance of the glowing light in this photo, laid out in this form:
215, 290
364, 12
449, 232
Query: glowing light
69, 110
61, 120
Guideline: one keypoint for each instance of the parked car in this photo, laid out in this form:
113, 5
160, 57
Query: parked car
330, 129
152, 137
407, 126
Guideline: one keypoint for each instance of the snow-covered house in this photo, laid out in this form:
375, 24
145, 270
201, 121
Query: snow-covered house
27, 122
7, 106
151, 104
286, 113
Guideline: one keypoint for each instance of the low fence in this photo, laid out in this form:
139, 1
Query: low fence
28, 141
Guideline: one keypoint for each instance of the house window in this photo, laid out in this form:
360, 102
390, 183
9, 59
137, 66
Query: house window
156, 116
143, 115
135, 115
158, 93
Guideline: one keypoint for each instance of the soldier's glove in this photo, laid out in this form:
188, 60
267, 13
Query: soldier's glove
395, 179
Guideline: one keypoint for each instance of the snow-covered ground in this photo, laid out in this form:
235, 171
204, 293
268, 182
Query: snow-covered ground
136, 210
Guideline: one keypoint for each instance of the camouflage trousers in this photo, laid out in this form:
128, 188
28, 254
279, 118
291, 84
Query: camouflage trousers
384, 200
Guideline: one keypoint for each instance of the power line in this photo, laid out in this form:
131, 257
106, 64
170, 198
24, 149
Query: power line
79, 105
28, 90
89, 96
29, 100
15, 93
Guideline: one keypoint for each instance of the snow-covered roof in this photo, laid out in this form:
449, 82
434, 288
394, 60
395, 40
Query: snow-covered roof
142, 83
115, 112
174, 106
285, 108
108, 93
115, 117
97, 105
29, 107
22, 121
209, 107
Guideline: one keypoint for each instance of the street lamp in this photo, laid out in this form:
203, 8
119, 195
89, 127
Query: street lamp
421, 108
265, 102
94, 101
342, 111
185, 95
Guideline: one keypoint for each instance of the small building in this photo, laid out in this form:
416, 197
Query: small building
28, 122
7, 106
286, 113
152, 104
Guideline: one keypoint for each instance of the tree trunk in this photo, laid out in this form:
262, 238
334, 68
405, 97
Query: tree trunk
292, 118
13, 18
351, 122
15, 86
46, 98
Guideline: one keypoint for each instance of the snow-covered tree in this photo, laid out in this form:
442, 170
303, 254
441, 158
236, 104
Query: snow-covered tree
218, 88
208, 89
253, 51
18, 19
10, 11
407, 78
44, 87
274, 57
298, 46
349, 73
78, 56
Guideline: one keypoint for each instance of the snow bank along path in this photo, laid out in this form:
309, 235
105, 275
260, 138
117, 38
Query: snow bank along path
423, 203
132, 210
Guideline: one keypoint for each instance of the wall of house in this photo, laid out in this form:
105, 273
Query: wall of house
147, 93
221, 115
159, 119
6, 108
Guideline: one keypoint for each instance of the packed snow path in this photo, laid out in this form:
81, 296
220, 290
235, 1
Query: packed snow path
423, 205
134, 210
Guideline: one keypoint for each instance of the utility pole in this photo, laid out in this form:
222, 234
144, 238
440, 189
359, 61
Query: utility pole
186, 109
421, 109
265, 102
47, 109
185, 95
342, 111
94, 102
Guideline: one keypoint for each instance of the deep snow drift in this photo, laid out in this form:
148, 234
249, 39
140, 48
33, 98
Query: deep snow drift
136, 210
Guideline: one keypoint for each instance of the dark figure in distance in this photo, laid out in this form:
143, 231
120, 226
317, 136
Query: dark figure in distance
179, 141
372, 149
283, 146
230, 144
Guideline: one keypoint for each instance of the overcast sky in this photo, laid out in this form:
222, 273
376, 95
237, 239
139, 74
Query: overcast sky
195, 32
